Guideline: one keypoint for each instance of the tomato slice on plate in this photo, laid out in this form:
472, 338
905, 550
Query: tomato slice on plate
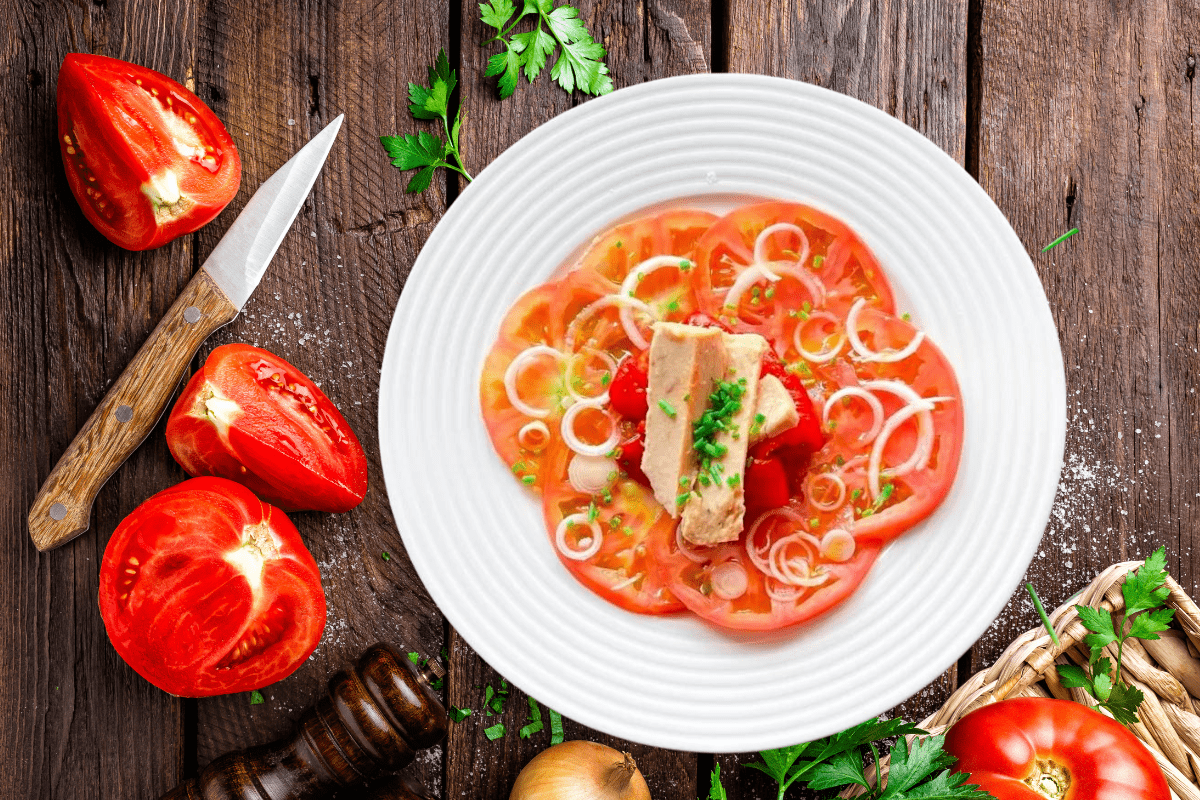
252, 417
145, 158
721, 583
205, 589
610, 552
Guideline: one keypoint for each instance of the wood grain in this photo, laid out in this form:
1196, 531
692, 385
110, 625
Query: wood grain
63, 507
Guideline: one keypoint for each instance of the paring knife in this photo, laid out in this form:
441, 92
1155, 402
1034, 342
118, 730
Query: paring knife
212, 298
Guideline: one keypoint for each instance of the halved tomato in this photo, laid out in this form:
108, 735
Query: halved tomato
722, 584
252, 417
603, 540
145, 158
205, 589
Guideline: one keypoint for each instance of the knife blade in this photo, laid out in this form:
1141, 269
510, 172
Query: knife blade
214, 296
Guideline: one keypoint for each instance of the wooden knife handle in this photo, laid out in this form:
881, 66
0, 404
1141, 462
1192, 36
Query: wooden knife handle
63, 507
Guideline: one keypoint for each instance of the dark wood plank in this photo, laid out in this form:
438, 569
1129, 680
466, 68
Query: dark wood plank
277, 73
1087, 120
77, 721
645, 40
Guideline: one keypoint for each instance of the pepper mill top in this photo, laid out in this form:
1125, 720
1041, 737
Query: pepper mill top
372, 719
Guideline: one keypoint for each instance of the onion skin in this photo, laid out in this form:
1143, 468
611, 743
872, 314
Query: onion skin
580, 770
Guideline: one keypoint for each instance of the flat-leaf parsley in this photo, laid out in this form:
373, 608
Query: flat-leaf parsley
580, 64
424, 151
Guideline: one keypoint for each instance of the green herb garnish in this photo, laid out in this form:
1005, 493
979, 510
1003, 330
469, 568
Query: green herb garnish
716, 791
667, 408
535, 720
495, 732
384, 555
580, 66
459, 714
415, 658
556, 727
1037, 604
723, 403
1060, 239
424, 151
256, 698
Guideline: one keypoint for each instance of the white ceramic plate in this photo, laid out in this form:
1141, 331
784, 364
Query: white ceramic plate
477, 537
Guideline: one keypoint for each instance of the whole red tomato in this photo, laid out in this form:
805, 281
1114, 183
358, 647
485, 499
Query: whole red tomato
146, 159
252, 417
1035, 748
205, 589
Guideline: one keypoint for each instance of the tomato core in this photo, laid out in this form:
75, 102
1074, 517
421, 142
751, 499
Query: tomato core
1049, 779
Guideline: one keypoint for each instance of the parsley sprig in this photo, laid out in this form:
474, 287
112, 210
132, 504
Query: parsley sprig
580, 64
1144, 617
921, 770
424, 151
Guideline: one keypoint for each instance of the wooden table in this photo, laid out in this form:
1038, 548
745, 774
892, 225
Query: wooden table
1068, 114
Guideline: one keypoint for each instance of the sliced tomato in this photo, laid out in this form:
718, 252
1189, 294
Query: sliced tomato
622, 569
205, 589
252, 417
695, 578
838, 270
145, 158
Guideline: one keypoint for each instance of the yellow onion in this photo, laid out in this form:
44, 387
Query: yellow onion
580, 771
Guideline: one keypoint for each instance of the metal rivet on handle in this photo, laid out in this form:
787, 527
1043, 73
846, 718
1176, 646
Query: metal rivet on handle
191, 315
57, 512
124, 413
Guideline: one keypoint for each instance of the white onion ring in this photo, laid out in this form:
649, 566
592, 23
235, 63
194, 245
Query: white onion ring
609, 362
745, 279
591, 474
924, 425
838, 483
865, 353
921, 452
593, 547
529, 427
824, 355
752, 549
629, 286
862, 394
616, 587
784, 572
831, 541
514, 372
789, 594
760, 244
729, 580
621, 302
573, 441
685, 547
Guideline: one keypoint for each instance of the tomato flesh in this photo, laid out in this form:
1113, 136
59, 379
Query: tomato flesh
249, 416
1036, 748
145, 158
205, 589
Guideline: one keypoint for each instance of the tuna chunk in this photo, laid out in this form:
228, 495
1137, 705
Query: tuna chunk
685, 361
714, 512
775, 412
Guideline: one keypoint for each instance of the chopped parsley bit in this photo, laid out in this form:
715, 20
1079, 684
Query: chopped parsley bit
885, 492
614, 453
683, 498
704, 480
519, 466
495, 732
605, 379
619, 244
814, 522
673, 305
857, 493
817, 261
459, 714
535, 720
415, 658
437, 684
733, 481
256, 697
684, 263
614, 521
667, 408
606, 497
384, 555
760, 418
770, 292
556, 727
684, 480
907, 317
628, 531
592, 512
528, 480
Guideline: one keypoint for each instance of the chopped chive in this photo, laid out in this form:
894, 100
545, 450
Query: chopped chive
384, 555
667, 408
817, 261
770, 292
256, 698
683, 498
1060, 239
814, 522
592, 512
519, 466
495, 732
619, 244
733, 480
684, 480
907, 317
528, 480
1037, 604
760, 418
605, 379
673, 305
857, 493
459, 714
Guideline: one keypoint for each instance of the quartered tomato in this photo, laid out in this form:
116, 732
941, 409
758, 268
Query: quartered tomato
610, 553
1044, 749
145, 158
252, 417
205, 589
722, 584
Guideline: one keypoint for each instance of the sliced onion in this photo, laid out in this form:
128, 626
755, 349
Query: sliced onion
591, 474
833, 479
609, 362
620, 301
686, 548
513, 373
536, 428
838, 545
760, 244
900, 389
745, 279
590, 549
827, 354
630, 581
865, 353
921, 452
629, 286
783, 569
729, 580
579, 446
788, 594
758, 554
870, 399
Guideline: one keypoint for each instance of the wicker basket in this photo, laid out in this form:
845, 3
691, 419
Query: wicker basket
1167, 671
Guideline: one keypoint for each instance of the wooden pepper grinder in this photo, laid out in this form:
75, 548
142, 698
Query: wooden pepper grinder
374, 718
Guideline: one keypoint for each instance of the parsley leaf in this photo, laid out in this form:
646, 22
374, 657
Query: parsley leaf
716, 790
579, 65
459, 714
424, 151
256, 698
535, 720
556, 727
